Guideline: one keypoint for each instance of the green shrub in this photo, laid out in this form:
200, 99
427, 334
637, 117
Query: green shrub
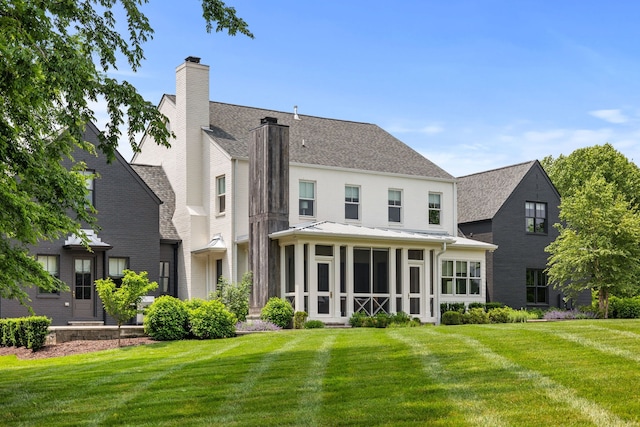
499, 315
381, 320
313, 324
492, 305
299, 319
452, 306
37, 328
357, 319
451, 318
30, 332
520, 316
212, 320
166, 319
278, 311
477, 305
476, 316
535, 313
624, 308
400, 318
235, 296
194, 304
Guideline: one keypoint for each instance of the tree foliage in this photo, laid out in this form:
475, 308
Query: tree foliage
54, 60
121, 302
597, 247
570, 173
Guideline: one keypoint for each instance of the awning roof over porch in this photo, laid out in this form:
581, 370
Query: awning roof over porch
215, 245
95, 243
328, 229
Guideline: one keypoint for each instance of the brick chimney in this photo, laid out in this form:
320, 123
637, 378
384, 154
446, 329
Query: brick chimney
268, 206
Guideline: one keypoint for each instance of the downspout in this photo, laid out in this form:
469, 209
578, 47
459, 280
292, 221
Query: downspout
175, 270
437, 269
234, 244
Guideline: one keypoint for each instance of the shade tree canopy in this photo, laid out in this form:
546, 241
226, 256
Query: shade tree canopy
55, 57
598, 247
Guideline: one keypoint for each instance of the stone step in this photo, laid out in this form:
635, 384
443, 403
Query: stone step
85, 323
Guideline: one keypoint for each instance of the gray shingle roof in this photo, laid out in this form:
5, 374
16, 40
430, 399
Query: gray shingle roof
481, 195
327, 142
157, 180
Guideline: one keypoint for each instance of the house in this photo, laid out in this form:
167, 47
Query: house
515, 208
336, 216
129, 236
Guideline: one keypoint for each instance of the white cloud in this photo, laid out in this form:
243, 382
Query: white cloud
432, 129
611, 116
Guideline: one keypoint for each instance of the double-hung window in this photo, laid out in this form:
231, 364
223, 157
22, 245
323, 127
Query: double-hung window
307, 198
116, 269
89, 178
351, 202
434, 208
163, 278
51, 264
536, 217
395, 205
221, 193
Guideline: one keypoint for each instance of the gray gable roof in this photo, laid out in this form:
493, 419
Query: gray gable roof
481, 195
157, 180
327, 142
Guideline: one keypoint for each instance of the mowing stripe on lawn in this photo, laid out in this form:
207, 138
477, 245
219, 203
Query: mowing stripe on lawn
233, 405
555, 391
595, 345
143, 386
469, 403
311, 390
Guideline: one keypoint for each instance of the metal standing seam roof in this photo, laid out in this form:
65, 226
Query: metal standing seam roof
481, 195
351, 231
321, 141
156, 179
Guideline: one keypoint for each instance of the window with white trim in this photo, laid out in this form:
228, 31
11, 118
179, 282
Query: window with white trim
221, 194
435, 207
351, 202
395, 205
89, 178
116, 269
51, 264
460, 277
307, 198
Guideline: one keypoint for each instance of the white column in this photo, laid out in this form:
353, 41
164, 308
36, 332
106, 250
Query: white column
348, 274
392, 281
299, 275
335, 286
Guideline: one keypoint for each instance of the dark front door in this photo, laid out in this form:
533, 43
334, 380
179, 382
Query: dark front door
83, 294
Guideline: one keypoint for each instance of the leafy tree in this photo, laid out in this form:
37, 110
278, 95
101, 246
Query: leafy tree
121, 302
54, 60
235, 296
570, 173
597, 247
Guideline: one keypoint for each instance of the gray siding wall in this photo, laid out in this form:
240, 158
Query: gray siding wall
518, 250
128, 219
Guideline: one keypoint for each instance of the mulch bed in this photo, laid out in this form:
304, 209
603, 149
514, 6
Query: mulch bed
72, 347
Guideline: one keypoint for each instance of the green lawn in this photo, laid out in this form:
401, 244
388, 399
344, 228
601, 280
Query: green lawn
574, 373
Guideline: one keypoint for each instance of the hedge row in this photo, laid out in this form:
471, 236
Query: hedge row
29, 332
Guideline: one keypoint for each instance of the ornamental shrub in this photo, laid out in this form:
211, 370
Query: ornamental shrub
476, 316
499, 315
313, 324
235, 296
212, 320
299, 319
256, 326
278, 311
37, 328
452, 306
451, 318
624, 308
166, 319
357, 319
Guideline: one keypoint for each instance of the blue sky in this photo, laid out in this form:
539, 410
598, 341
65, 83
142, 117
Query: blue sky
471, 85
